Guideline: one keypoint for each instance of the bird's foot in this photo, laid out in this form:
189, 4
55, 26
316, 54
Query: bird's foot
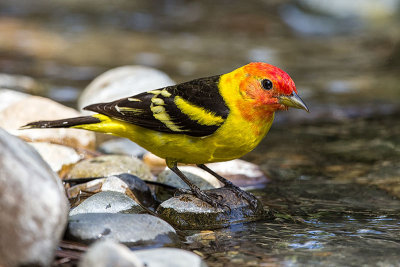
250, 198
215, 200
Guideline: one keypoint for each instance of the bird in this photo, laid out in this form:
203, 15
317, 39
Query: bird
212, 119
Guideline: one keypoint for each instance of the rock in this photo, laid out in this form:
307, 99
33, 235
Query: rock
122, 146
199, 177
384, 175
129, 229
108, 165
55, 155
240, 172
188, 212
93, 186
169, 257
36, 108
306, 23
125, 183
140, 189
111, 183
33, 205
123, 82
114, 183
20, 83
107, 253
367, 9
107, 202
9, 97
156, 164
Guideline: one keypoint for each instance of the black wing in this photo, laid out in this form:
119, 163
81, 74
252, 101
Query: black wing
179, 109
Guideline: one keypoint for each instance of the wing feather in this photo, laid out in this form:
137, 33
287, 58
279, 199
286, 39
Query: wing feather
194, 108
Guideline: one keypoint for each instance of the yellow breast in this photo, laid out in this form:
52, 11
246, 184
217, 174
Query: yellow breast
232, 140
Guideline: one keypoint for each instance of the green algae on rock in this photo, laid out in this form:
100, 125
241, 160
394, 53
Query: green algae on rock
188, 212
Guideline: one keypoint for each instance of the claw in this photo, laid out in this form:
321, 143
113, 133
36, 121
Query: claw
214, 200
181, 191
210, 198
252, 200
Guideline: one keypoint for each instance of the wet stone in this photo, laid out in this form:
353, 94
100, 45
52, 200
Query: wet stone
188, 212
107, 202
129, 229
108, 165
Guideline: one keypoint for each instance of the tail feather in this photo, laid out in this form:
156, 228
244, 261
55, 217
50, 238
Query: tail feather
65, 123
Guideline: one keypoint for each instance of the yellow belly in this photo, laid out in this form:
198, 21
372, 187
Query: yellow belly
232, 140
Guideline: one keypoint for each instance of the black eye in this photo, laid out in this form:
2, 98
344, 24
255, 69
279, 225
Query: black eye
267, 84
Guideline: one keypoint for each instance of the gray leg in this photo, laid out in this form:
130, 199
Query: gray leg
211, 199
251, 199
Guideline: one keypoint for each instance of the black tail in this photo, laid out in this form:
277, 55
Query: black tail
66, 123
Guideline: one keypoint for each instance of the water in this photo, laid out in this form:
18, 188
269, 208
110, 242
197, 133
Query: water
325, 218
335, 172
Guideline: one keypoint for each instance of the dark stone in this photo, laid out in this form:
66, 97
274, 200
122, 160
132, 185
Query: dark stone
188, 212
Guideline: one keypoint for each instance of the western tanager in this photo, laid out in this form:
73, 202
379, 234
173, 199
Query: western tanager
211, 119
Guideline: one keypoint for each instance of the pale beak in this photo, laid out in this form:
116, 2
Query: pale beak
293, 101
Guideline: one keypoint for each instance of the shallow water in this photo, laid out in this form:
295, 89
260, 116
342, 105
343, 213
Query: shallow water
335, 172
324, 219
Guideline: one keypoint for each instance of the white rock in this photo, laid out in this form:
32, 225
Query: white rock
236, 167
108, 165
123, 82
107, 202
240, 172
56, 155
122, 146
110, 253
111, 183
36, 108
199, 177
129, 229
20, 82
9, 97
169, 257
371, 9
105, 253
32, 203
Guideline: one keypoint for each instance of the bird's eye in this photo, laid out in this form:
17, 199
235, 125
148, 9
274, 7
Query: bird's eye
267, 84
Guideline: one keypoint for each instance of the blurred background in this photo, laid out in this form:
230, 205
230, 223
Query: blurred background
336, 169
344, 56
